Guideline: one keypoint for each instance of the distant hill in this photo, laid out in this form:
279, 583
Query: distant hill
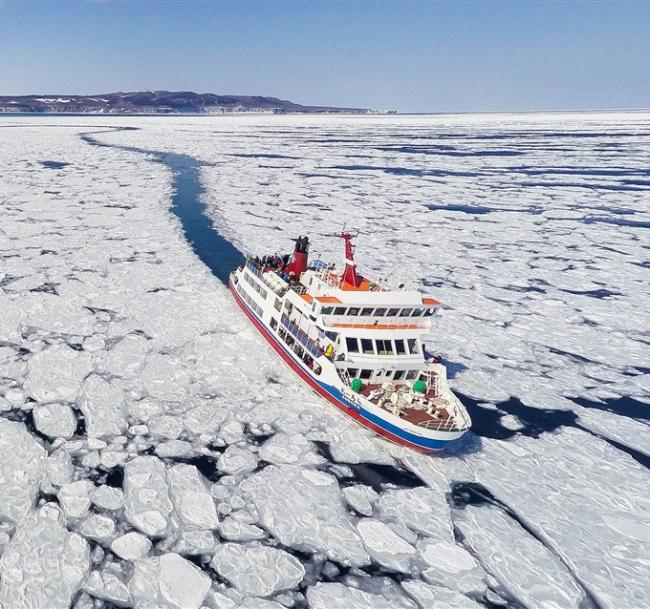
160, 102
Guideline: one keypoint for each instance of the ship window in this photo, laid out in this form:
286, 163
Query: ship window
417, 313
384, 347
353, 372
428, 312
423, 377
278, 304
392, 312
405, 312
411, 374
327, 310
365, 374
366, 346
331, 335
367, 311
380, 312
388, 374
353, 311
413, 345
399, 375
352, 345
274, 323
339, 311
399, 347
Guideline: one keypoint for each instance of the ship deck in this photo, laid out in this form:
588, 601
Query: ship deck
433, 414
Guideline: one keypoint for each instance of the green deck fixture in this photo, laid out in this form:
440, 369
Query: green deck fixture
356, 385
420, 387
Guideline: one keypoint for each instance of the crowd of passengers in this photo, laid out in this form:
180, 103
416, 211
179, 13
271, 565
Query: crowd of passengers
271, 263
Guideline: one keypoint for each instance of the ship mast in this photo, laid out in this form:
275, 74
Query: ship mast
350, 274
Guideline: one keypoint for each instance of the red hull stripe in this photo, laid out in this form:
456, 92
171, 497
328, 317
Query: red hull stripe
431, 445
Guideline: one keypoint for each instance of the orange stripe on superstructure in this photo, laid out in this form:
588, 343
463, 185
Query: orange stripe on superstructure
307, 297
379, 326
327, 299
430, 301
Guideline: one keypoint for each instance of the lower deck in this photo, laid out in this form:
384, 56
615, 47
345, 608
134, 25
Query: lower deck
423, 410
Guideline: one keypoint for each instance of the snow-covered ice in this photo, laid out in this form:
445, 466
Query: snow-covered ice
146, 496
257, 570
303, 509
191, 498
167, 582
22, 460
385, 546
131, 546
135, 396
44, 564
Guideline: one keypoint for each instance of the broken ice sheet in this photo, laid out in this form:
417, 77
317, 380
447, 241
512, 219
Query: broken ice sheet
106, 309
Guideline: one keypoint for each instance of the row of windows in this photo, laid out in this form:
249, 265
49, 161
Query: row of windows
396, 375
255, 285
367, 346
377, 312
249, 301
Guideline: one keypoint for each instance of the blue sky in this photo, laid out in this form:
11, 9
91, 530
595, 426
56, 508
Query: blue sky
409, 56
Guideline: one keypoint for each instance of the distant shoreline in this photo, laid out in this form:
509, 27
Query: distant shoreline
370, 113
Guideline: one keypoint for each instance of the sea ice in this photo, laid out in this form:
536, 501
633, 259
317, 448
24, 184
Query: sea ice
384, 546
55, 420
108, 497
195, 542
289, 448
146, 499
167, 582
433, 597
423, 510
236, 460
108, 586
360, 498
56, 373
338, 596
104, 407
257, 570
131, 546
22, 460
98, 527
74, 498
95, 286
448, 565
191, 498
44, 565
303, 509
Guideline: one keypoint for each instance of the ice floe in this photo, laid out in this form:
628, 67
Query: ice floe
385, 547
257, 570
44, 564
191, 498
146, 496
167, 582
131, 546
22, 460
303, 509
55, 420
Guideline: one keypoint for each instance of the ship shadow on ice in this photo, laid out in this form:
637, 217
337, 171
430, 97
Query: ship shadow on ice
487, 421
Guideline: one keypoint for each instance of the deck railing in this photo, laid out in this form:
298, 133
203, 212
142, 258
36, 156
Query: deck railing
311, 347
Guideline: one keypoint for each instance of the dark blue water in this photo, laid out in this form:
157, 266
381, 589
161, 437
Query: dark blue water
54, 164
216, 252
